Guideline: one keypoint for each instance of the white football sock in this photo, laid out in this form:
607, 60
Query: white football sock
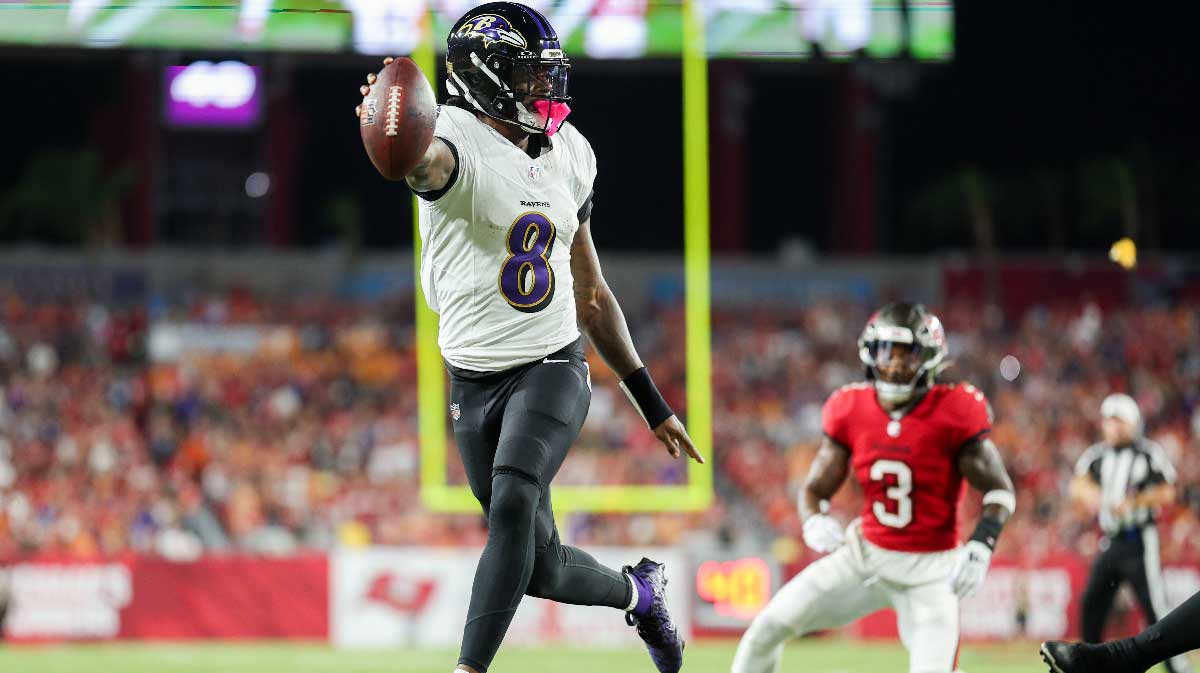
633, 593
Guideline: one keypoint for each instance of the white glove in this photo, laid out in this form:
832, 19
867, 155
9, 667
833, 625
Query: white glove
823, 533
971, 567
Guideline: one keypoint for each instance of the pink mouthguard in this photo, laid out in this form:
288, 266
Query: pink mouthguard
554, 112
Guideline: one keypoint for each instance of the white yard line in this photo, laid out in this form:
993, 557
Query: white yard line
116, 30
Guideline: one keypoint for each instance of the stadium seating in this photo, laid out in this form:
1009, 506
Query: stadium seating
310, 439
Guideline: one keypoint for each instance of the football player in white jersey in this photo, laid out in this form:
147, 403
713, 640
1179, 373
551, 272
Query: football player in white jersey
509, 265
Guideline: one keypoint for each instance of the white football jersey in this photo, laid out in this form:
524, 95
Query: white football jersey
496, 255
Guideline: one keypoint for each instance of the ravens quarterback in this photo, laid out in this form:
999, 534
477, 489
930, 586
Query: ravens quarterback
509, 265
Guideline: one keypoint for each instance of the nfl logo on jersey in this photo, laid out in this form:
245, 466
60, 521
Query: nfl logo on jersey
534, 172
455, 411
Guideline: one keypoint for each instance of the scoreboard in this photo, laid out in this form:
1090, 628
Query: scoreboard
602, 29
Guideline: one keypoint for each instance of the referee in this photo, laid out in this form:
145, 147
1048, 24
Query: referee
1126, 478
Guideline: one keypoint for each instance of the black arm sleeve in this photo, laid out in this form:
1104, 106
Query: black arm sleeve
585, 211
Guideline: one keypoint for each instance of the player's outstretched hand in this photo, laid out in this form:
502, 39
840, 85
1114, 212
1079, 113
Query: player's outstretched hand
672, 433
366, 88
971, 567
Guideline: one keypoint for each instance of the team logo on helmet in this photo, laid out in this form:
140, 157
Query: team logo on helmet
492, 28
931, 334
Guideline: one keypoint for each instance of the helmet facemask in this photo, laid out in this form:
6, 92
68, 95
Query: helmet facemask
540, 90
896, 371
531, 94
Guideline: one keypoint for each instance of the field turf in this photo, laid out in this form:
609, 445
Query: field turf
812, 656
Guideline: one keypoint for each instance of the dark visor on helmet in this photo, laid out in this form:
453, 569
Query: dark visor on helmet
895, 362
541, 80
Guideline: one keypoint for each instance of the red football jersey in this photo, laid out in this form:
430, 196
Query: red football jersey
908, 466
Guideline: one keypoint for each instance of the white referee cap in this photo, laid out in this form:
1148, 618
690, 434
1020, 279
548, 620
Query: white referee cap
1122, 406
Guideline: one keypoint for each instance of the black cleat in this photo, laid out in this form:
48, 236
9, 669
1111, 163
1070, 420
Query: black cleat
1080, 658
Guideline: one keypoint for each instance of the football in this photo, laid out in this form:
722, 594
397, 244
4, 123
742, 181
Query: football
396, 118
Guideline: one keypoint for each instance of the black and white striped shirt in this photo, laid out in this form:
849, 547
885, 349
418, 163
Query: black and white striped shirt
1123, 472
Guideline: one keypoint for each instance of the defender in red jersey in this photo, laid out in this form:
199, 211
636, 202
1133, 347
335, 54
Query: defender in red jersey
911, 443
906, 462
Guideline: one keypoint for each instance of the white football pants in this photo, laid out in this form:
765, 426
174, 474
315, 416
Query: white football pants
856, 580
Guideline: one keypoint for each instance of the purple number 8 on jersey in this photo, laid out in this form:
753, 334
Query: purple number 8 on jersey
526, 279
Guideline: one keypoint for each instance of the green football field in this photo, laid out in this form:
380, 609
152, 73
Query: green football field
814, 656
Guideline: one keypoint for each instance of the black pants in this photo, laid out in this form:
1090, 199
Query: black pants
513, 430
1131, 557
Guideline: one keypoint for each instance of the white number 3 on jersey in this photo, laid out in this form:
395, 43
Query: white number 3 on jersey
902, 516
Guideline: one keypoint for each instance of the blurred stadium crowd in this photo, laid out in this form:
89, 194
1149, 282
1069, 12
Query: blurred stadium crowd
310, 440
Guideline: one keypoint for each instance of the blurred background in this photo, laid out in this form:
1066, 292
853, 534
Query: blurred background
208, 395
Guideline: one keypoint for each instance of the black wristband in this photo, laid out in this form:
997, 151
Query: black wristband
645, 397
987, 531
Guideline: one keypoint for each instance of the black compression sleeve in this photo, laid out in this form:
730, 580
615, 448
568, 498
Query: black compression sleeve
641, 389
987, 531
1172, 635
585, 211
